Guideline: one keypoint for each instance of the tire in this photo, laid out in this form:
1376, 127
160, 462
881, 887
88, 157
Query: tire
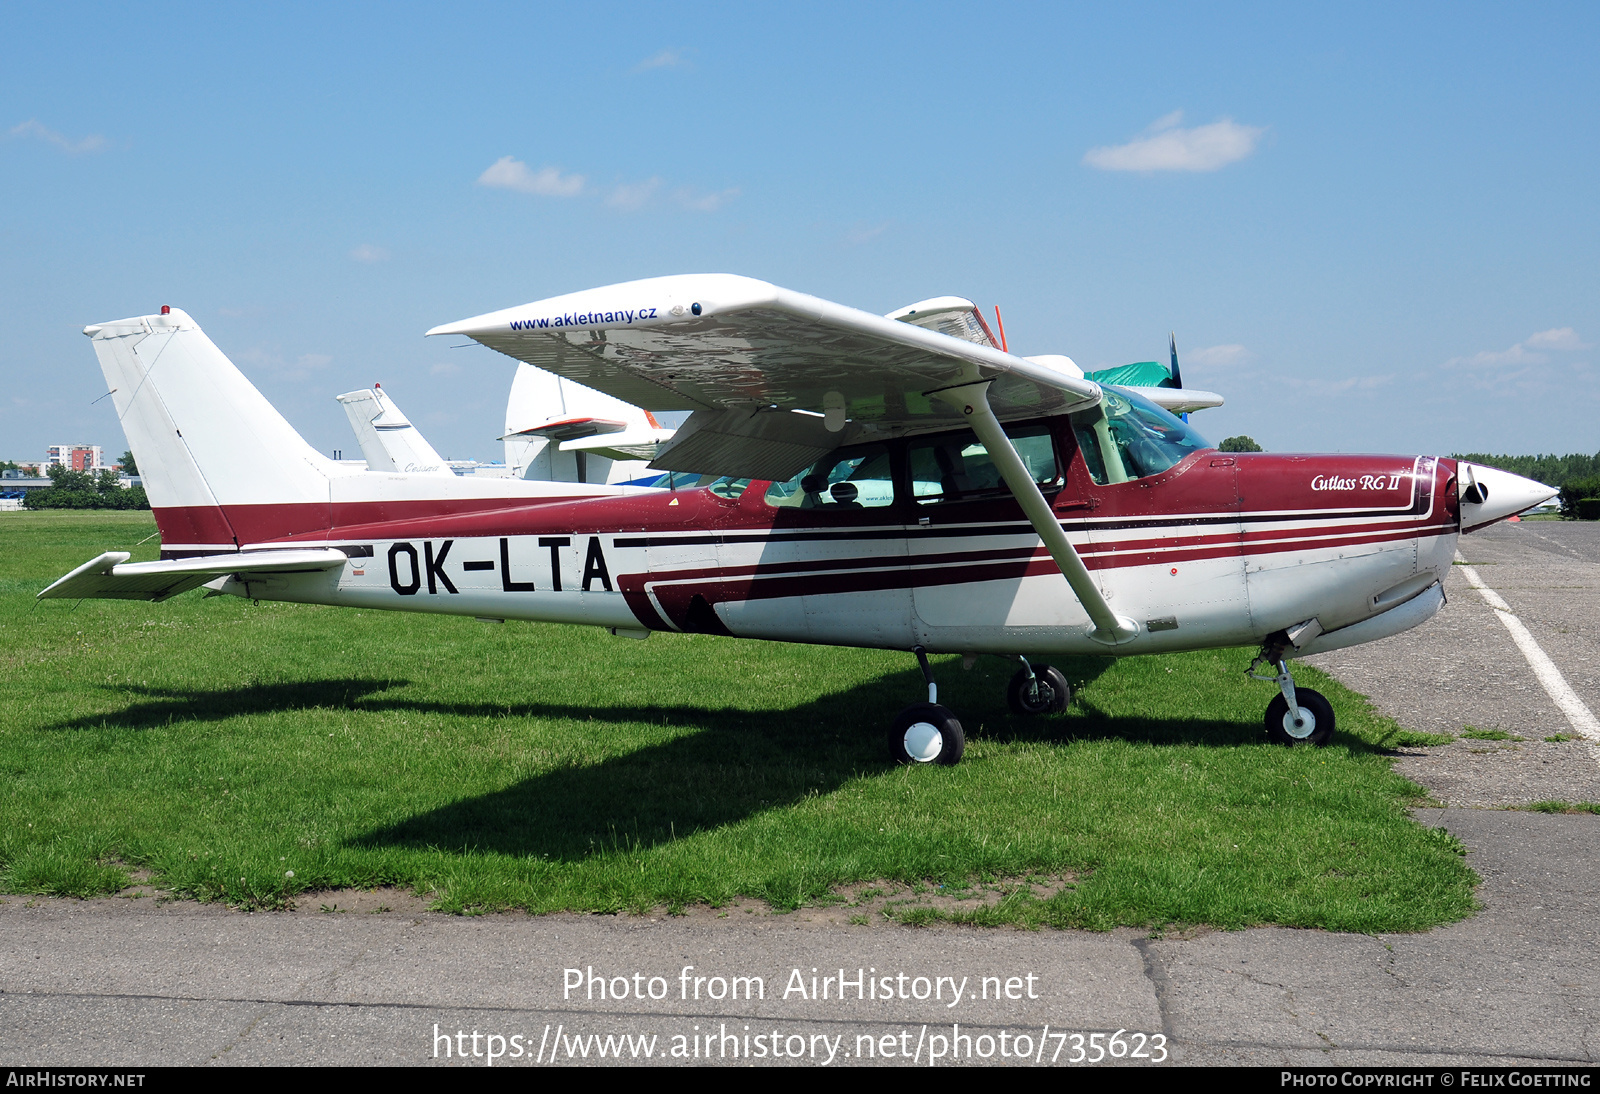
926, 733
1051, 697
1281, 729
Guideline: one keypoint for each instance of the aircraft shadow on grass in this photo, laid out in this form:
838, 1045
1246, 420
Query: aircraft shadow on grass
731, 765
172, 706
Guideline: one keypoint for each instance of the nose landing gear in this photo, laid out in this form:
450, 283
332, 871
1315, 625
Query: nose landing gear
1296, 716
1038, 689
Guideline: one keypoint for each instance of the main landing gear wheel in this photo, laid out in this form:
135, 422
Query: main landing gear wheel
1047, 692
1316, 720
926, 733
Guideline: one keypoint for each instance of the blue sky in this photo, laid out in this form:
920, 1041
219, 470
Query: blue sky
1372, 228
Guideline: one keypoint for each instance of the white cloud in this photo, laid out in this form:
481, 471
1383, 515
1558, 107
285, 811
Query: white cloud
1232, 354
369, 252
445, 368
704, 203
1559, 338
1319, 386
507, 173
94, 142
1525, 352
1166, 147
1518, 354
631, 196
667, 58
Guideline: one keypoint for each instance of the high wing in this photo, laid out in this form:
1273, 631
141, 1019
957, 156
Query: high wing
112, 577
1179, 400
776, 379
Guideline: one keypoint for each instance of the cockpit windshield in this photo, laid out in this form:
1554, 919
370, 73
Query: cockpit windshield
1128, 437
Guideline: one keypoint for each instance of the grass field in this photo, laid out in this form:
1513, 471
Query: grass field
223, 746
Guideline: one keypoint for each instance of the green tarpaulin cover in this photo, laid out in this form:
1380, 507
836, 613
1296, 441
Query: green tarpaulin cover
1142, 374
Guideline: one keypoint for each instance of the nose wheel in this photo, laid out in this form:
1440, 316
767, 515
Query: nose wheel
1297, 716
1315, 726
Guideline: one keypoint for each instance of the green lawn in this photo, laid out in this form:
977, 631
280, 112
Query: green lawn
223, 745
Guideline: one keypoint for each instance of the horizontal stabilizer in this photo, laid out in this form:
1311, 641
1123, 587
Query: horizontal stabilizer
113, 577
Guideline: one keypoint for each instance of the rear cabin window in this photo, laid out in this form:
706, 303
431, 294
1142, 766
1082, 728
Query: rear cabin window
850, 478
957, 466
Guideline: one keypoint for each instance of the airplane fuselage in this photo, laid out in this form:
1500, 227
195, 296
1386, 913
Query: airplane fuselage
1218, 550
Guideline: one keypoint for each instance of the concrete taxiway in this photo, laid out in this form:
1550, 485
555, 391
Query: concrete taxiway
122, 982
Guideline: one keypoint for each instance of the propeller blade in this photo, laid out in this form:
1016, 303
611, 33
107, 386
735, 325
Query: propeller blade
1177, 377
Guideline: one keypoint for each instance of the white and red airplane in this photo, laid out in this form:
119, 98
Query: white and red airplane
895, 482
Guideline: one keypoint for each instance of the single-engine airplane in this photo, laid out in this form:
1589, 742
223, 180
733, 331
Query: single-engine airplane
898, 482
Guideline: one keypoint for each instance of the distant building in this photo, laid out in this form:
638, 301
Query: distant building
75, 457
15, 485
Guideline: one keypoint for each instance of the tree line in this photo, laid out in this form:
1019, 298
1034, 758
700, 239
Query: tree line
71, 489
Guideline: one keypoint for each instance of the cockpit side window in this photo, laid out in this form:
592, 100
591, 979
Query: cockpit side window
1127, 437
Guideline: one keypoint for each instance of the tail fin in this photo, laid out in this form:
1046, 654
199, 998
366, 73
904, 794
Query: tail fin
388, 439
221, 466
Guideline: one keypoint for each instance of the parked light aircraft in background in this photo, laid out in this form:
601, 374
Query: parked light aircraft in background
895, 482
560, 430
388, 440
556, 431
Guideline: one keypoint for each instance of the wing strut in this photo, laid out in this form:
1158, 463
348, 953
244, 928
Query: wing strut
972, 400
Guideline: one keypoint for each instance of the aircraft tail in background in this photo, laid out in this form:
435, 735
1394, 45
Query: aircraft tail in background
388, 440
